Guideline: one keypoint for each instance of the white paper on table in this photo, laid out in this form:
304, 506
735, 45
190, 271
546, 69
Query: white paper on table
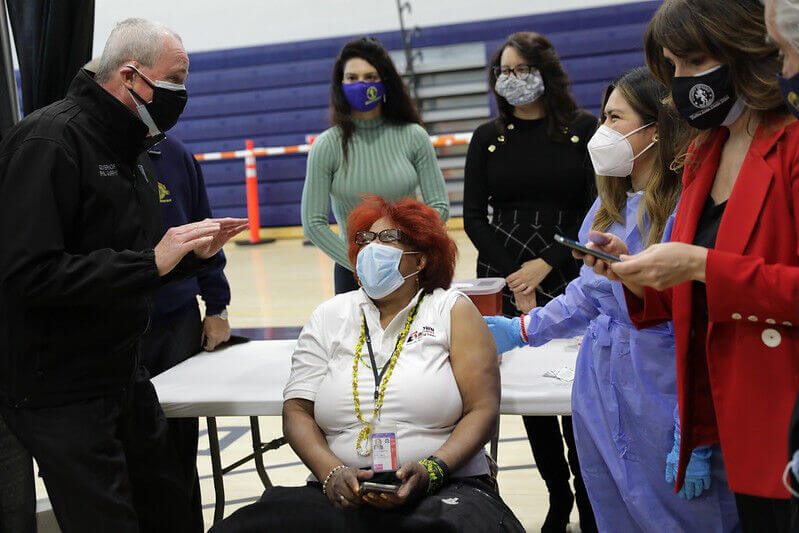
565, 373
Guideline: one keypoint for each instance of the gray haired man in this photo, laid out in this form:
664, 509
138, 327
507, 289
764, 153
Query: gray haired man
79, 262
782, 22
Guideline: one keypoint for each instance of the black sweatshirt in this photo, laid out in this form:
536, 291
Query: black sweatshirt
80, 217
524, 169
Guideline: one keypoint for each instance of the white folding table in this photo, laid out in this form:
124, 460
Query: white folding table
248, 380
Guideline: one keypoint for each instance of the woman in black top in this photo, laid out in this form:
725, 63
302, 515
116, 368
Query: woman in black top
532, 166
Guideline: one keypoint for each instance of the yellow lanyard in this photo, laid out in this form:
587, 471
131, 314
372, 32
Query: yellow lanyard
380, 381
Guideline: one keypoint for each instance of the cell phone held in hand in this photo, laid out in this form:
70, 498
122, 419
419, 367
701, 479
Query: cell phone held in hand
580, 248
382, 482
371, 486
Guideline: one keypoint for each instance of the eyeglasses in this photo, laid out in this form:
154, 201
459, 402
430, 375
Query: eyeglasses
387, 235
520, 71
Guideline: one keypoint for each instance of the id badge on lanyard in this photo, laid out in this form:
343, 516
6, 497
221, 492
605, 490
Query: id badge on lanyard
383, 440
384, 447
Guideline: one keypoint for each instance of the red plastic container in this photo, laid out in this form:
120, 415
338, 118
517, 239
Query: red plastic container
485, 293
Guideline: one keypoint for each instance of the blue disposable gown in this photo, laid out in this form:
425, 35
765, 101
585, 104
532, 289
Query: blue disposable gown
623, 404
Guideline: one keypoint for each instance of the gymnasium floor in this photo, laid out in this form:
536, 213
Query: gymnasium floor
274, 288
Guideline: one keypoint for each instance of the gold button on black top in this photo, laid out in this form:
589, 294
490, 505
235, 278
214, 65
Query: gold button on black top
501, 138
511, 126
575, 139
491, 148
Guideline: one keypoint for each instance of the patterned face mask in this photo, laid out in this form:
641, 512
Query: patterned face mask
520, 91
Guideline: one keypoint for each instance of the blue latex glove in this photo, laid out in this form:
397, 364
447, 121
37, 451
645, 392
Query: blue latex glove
697, 477
507, 332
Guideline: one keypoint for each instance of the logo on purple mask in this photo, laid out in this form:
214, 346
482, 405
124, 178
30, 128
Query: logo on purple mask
363, 96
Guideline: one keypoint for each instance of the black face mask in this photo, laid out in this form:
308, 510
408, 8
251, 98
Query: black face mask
707, 100
163, 112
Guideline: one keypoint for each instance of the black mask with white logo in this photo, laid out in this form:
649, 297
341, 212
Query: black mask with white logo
708, 99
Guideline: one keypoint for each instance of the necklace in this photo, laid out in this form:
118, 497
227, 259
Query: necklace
380, 381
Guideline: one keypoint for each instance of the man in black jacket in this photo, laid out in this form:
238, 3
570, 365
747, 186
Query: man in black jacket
80, 259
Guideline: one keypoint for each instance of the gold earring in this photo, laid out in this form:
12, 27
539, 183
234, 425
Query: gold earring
655, 138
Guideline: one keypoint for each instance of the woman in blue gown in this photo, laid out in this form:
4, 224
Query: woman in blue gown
625, 395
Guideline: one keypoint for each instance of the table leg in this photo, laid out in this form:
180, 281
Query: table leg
216, 469
257, 449
495, 444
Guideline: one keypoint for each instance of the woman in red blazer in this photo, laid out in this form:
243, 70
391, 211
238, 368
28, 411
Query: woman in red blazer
730, 277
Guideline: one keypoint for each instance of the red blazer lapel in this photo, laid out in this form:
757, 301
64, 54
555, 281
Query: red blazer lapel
697, 181
748, 195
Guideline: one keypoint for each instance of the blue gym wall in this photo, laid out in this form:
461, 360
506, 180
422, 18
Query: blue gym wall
277, 94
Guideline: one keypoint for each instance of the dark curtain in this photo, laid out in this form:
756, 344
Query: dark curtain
53, 39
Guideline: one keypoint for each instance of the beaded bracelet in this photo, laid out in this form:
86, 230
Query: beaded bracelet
441, 464
435, 475
329, 475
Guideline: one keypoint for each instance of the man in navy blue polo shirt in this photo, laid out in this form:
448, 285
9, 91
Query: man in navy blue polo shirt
176, 330
181, 191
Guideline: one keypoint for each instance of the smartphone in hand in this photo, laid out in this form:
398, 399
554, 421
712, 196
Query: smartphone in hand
382, 482
588, 251
371, 486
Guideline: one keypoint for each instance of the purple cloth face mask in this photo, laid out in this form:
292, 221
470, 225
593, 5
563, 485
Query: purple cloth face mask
363, 96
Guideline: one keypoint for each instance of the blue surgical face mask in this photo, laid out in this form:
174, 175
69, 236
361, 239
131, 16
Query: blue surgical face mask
378, 269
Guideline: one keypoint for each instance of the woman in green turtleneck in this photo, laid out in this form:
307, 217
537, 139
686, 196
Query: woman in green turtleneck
375, 146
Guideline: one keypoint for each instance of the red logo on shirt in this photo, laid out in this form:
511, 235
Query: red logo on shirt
426, 331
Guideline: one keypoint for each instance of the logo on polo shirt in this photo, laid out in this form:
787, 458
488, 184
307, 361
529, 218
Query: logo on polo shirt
425, 331
793, 99
163, 194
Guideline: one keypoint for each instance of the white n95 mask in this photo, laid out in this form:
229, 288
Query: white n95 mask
378, 269
611, 153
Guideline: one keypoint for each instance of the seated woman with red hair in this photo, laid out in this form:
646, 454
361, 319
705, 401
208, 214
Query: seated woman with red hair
394, 392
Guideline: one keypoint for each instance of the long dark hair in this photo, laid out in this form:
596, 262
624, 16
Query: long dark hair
648, 98
733, 32
398, 107
561, 109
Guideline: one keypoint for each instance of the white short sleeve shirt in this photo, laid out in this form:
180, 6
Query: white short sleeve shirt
422, 397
